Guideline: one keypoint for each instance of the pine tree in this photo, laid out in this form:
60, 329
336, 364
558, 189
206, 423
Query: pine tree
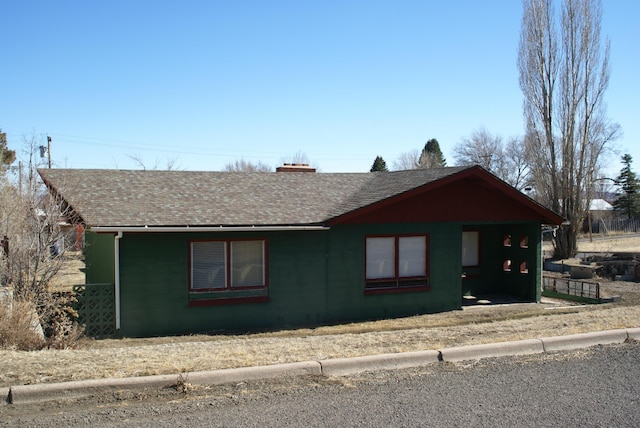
6, 156
431, 156
629, 201
379, 165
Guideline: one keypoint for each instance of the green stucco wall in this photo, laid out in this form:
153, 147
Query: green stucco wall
314, 277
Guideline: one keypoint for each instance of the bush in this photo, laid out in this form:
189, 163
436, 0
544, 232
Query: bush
27, 328
19, 327
59, 321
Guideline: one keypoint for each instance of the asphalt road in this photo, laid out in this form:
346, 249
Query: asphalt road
597, 387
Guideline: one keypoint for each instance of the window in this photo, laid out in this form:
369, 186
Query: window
227, 265
394, 262
524, 241
470, 248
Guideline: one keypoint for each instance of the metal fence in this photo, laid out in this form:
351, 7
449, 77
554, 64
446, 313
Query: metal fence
571, 287
96, 309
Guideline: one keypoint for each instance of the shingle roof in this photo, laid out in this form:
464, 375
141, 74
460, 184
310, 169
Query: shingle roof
180, 198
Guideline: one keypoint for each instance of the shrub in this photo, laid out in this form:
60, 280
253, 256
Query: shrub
59, 321
19, 327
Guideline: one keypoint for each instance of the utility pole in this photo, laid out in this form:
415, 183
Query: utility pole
49, 150
20, 177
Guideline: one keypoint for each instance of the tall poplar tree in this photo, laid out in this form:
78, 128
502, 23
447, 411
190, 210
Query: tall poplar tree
564, 73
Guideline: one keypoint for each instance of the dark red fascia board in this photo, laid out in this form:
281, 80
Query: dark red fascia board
548, 216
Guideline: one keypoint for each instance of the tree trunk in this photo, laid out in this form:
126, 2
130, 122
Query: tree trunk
565, 243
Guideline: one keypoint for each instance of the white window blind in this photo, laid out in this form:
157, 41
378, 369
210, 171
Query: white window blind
208, 265
380, 258
412, 254
247, 263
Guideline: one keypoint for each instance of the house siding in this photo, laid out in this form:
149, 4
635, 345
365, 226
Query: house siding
99, 258
490, 277
315, 277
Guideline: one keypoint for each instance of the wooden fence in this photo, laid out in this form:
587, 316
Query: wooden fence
618, 225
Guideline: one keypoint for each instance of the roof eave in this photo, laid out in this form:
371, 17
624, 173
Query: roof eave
195, 229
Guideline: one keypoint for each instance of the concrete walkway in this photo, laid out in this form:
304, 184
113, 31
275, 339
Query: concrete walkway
334, 367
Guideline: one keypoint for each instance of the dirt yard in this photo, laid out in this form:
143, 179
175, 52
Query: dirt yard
472, 325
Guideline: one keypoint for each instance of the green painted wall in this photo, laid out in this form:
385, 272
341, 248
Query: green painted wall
154, 284
315, 277
99, 258
346, 273
490, 277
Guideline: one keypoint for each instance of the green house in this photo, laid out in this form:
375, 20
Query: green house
193, 252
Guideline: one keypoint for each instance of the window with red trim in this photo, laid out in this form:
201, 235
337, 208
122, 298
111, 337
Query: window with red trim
394, 262
227, 265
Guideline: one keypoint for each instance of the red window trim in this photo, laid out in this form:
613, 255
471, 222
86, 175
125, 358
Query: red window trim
370, 282
228, 286
391, 290
228, 301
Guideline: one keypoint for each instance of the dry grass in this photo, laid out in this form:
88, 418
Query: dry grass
72, 272
172, 355
18, 323
611, 243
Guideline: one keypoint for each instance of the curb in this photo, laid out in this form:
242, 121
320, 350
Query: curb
500, 349
634, 333
345, 366
219, 377
23, 394
584, 340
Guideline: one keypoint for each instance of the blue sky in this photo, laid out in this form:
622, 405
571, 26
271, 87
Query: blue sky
205, 83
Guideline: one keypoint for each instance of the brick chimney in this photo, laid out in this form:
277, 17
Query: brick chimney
295, 167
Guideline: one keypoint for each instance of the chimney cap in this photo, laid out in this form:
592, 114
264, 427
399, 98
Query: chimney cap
295, 167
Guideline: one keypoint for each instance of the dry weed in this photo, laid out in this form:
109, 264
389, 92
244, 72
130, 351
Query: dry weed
19, 327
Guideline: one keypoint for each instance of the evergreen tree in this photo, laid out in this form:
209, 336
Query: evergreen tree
379, 165
431, 156
7, 157
629, 201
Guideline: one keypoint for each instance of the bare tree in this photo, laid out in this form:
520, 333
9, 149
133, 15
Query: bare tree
246, 166
516, 169
33, 227
407, 160
506, 160
564, 72
171, 163
481, 148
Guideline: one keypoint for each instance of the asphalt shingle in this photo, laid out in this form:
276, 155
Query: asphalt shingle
181, 198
